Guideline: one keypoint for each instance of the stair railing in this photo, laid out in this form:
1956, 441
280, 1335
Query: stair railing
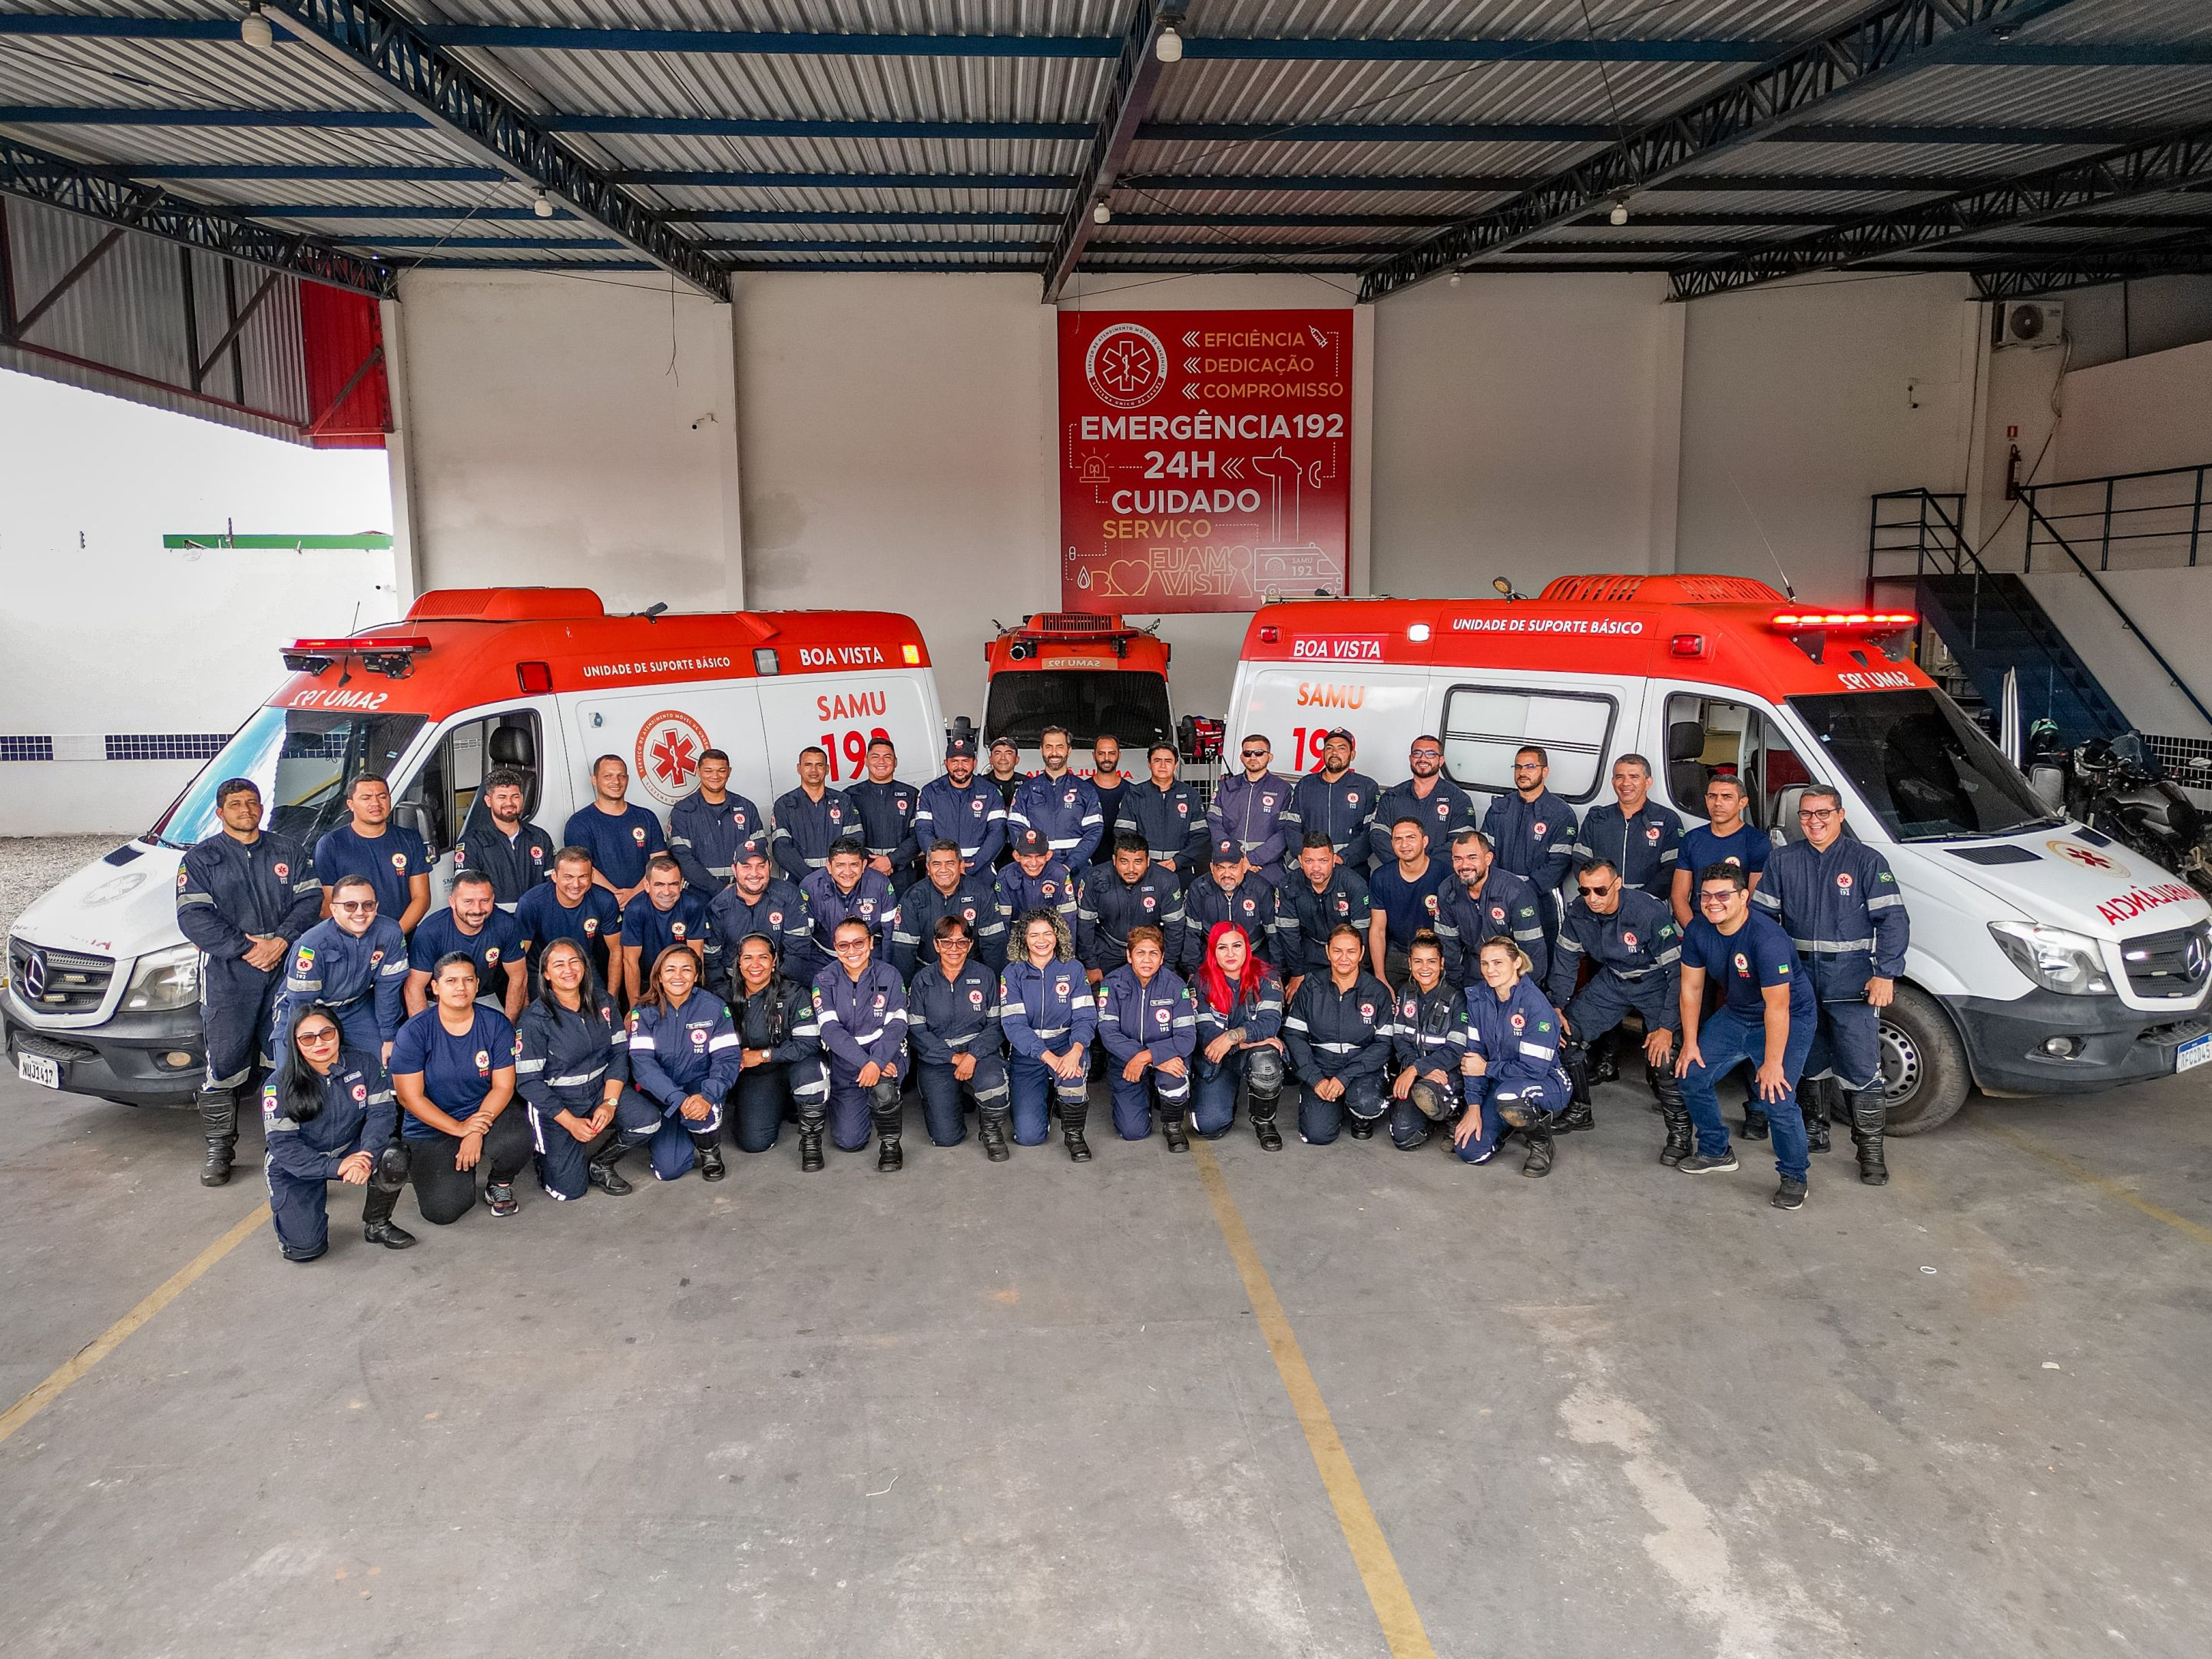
2037, 518
2153, 519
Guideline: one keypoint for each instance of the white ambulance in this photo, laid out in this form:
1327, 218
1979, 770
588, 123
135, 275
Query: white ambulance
2045, 959
101, 992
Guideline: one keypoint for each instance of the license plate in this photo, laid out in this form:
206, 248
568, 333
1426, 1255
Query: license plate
2197, 1051
37, 1068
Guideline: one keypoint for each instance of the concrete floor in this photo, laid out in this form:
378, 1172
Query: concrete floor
974, 1410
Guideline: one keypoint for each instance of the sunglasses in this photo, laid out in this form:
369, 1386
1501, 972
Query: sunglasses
1717, 898
1592, 892
1257, 754
1428, 753
353, 904
319, 1036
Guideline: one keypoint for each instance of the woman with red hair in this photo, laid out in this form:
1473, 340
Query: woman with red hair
1239, 1002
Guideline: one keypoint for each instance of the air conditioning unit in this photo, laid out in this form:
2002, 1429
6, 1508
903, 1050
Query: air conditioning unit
2028, 323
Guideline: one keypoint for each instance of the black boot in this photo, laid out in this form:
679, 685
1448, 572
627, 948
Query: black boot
1813, 1102
1667, 1089
1870, 1118
709, 1148
1755, 1122
992, 1132
1605, 1058
1171, 1126
219, 1119
810, 1144
376, 1224
1360, 1129
1263, 1122
884, 1106
1072, 1120
1578, 1115
1538, 1135
599, 1170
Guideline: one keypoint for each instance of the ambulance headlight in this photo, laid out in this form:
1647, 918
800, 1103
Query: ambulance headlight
165, 979
2068, 964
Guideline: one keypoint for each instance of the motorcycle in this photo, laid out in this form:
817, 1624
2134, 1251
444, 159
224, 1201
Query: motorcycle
2118, 787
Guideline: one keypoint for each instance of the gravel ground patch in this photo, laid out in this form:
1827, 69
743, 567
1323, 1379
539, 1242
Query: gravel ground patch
31, 864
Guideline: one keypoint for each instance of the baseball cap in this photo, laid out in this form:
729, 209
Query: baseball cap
959, 744
751, 848
1005, 742
1333, 733
1228, 850
1031, 840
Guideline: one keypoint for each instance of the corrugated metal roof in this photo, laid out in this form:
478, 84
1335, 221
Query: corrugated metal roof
814, 181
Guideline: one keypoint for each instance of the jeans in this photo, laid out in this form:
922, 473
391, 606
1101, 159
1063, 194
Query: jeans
1727, 1040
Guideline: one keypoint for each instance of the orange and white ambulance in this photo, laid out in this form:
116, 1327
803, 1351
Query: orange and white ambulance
540, 679
2046, 959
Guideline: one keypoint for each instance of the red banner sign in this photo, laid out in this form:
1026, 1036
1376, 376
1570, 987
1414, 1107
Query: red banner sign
1205, 457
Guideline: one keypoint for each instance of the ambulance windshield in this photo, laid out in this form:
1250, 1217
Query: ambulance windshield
1924, 768
1129, 704
303, 759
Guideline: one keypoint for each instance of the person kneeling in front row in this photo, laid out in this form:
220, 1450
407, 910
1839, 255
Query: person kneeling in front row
1339, 1031
1512, 1074
779, 1038
1428, 1040
1238, 1002
1146, 1022
684, 1057
862, 1006
454, 1068
952, 1017
572, 1070
1046, 1008
327, 1115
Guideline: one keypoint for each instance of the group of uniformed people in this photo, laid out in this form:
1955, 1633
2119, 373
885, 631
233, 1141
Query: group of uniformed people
990, 941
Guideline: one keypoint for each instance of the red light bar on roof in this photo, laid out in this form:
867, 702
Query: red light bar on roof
1843, 621
391, 654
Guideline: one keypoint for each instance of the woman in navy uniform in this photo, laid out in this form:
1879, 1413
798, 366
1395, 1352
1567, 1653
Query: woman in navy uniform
1337, 1028
1513, 1077
1428, 1040
779, 1053
684, 1058
327, 1115
1238, 1002
952, 1017
572, 1069
1046, 1009
454, 1068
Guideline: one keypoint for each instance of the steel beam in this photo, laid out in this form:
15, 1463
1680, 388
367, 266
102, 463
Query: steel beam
2019, 281
375, 43
1136, 77
2123, 175
1875, 47
97, 194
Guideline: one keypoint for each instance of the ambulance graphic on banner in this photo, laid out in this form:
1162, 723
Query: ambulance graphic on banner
1205, 457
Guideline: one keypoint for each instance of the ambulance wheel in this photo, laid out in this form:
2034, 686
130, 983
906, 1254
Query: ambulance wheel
1923, 1063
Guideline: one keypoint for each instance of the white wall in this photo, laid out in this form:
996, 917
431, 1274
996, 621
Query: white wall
562, 431
102, 630
2137, 414
2171, 607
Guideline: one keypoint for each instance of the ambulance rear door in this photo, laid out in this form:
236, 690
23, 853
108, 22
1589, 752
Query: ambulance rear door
1298, 703
660, 732
845, 711
1581, 721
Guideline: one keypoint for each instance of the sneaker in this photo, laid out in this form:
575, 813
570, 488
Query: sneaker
499, 1198
1789, 1196
1698, 1163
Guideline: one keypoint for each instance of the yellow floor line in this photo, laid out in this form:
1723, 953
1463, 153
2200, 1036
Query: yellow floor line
2089, 1177
112, 1338
1370, 1550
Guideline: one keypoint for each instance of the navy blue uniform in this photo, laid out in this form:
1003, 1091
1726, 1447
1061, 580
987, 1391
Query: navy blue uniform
1251, 904
652, 929
1842, 910
593, 924
495, 947
676, 1052
1747, 849
1051, 889
389, 862
228, 894
1170, 822
1446, 809
619, 842
887, 814
1428, 1033
357, 1114
778, 913
1257, 1016
1308, 917
1111, 907
457, 1074
564, 1060
922, 906
1042, 1011
1759, 955
515, 863
1065, 811
702, 837
974, 819
1643, 848
364, 980
1635, 956
806, 829
779, 1018
863, 1023
946, 1018
1409, 904
1135, 1016
1536, 839
1344, 1035
1343, 811
1257, 817
868, 900
1517, 1040
1507, 907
